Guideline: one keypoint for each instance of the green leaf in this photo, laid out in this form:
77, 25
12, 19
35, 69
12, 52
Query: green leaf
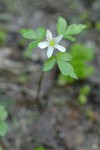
70, 79
3, 128
3, 113
71, 38
66, 69
41, 33
33, 44
63, 56
74, 29
61, 25
48, 65
29, 33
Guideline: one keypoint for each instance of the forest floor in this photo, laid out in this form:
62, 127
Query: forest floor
63, 124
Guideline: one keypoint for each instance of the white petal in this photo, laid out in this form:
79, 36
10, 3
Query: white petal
50, 51
43, 45
60, 48
58, 38
49, 35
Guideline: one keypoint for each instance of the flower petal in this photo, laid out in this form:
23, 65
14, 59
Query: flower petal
58, 38
60, 48
50, 51
43, 45
49, 35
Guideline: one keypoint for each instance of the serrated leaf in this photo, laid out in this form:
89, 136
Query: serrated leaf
33, 44
66, 69
41, 33
29, 34
3, 128
48, 65
3, 113
74, 29
63, 56
71, 38
61, 25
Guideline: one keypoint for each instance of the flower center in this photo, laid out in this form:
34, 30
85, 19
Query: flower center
52, 43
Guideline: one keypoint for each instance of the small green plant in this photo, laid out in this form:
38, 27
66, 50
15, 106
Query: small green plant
62, 58
24, 77
2, 37
82, 56
1, 148
40, 148
83, 95
97, 25
3, 124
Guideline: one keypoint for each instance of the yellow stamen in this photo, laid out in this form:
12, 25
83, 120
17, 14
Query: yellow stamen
52, 43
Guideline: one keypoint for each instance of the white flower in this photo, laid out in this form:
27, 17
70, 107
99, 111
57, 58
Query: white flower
51, 43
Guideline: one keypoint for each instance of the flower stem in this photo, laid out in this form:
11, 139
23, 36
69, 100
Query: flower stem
2, 143
37, 98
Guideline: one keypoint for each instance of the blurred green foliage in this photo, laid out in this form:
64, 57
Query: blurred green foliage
40, 148
83, 94
5, 17
2, 37
3, 124
9, 103
91, 114
23, 78
97, 25
1, 148
27, 53
85, 15
85, 90
82, 56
